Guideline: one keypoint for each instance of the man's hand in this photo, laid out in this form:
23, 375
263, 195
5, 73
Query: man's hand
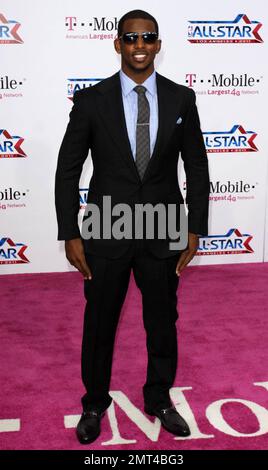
188, 254
75, 254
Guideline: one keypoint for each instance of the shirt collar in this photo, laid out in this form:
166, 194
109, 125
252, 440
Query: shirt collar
128, 84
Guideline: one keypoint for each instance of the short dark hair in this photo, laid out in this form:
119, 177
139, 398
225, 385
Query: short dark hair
133, 15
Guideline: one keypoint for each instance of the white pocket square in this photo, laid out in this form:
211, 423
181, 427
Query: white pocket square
179, 120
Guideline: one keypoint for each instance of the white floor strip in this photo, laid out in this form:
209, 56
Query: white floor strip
71, 421
9, 425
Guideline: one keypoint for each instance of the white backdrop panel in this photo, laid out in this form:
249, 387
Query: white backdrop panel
37, 109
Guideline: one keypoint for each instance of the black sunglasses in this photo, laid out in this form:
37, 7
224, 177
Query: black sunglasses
131, 38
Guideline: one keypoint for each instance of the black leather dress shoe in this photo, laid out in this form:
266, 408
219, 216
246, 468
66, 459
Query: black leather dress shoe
171, 420
88, 428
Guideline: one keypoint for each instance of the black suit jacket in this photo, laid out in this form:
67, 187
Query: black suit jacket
97, 122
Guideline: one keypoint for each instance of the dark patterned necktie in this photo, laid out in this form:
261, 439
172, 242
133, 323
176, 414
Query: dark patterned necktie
142, 131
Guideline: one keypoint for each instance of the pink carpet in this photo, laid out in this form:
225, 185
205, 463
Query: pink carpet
222, 369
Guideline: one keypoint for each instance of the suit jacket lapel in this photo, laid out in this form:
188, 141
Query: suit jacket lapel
112, 112
168, 110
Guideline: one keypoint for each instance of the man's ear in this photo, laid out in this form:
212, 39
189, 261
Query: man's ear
117, 45
159, 45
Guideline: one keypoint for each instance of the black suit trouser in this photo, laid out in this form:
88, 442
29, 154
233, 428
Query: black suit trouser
105, 294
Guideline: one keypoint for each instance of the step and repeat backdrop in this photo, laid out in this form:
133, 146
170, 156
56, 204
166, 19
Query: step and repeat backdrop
51, 49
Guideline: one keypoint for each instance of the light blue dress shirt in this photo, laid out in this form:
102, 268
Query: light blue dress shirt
130, 101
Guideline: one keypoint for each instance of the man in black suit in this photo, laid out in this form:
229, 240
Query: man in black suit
136, 123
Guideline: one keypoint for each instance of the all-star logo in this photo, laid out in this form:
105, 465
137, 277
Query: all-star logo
12, 253
233, 243
215, 31
74, 84
10, 146
235, 140
9, 31
83, 192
